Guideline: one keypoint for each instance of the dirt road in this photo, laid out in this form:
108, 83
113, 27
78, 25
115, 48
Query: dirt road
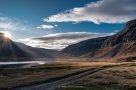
53, 83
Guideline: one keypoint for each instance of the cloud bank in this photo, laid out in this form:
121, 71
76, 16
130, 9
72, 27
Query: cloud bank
102, 11
61, 40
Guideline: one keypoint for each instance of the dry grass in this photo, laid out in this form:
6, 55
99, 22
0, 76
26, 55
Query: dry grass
120, 77
15, 77
18, 77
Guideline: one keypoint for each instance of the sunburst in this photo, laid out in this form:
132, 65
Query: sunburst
7, 34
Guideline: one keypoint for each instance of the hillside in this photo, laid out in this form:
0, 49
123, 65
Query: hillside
120, 45
15, 50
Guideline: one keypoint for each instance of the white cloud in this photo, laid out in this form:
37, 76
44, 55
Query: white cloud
46, 27
7, 24
56, 25
61, 40
17, 28
102, 11
12, 24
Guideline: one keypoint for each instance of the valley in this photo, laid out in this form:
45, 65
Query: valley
67, 44
71, 76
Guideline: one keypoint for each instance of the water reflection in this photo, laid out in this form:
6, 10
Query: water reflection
24, 62
21, 64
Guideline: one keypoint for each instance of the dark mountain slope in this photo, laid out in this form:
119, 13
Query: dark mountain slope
122, 44
11, 49
84, 47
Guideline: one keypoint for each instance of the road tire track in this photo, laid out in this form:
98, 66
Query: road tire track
53, 83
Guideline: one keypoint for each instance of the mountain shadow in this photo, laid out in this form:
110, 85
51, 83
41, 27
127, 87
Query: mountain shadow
10, 50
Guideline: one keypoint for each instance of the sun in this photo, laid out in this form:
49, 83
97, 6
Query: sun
7, 34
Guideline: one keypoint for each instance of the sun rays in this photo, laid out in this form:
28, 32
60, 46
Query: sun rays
7, 34
5, 39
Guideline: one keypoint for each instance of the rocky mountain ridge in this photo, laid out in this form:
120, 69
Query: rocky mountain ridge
120, 45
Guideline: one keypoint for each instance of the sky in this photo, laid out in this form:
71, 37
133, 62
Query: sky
55, 24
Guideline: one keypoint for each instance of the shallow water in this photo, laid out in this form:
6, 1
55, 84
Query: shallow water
21, 64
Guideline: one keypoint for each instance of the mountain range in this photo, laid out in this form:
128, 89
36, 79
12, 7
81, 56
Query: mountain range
121, 46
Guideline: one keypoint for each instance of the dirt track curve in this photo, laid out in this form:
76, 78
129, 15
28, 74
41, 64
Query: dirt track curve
53, 83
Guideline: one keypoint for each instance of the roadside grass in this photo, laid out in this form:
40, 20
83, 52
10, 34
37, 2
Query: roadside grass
85, 88
10, 78
18, 77
122, 77
13, 77
92, 88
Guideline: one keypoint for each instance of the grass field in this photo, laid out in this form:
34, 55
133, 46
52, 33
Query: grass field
111, 78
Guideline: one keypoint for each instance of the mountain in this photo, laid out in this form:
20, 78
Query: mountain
17, 51
120, 46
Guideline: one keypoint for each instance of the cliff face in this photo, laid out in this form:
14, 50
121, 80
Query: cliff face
122, 44
127, 35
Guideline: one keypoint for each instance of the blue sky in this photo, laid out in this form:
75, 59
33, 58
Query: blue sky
34, 10
25, 19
